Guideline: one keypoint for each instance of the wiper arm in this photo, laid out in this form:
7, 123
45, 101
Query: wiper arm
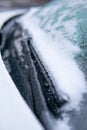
30, 75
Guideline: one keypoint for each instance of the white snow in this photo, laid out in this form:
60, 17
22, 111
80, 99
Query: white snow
57, 54
58, 57
62, 124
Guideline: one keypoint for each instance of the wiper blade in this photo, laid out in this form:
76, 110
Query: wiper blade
30, 75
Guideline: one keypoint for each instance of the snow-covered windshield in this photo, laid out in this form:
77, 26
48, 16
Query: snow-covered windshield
59, 33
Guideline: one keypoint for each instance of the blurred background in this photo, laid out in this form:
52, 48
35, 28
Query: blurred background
8, 4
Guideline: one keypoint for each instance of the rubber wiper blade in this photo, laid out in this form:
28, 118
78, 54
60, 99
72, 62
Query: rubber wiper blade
30, 75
